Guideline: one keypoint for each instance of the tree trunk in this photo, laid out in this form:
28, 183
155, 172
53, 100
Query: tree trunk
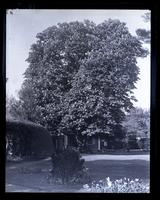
99, 143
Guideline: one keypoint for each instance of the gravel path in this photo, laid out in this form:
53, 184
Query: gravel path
86, 157
116, 157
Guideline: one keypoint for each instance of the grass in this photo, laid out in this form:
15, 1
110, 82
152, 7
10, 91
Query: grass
35, 177
118, 169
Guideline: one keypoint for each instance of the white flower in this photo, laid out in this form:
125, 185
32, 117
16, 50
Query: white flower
97, 185
86, 186
109, 182
108, 179
120, 185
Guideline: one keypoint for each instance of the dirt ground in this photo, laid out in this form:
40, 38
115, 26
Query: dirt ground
32, 176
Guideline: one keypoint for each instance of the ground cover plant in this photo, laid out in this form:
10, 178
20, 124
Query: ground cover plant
124, 185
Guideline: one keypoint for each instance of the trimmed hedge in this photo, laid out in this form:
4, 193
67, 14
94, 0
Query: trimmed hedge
27, 139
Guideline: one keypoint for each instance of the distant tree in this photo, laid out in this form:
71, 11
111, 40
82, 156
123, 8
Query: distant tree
143, 34
8, 115
137, 123
147, 17
13, 109
81, 76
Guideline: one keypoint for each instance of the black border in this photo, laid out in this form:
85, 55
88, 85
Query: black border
155, 137
85, 4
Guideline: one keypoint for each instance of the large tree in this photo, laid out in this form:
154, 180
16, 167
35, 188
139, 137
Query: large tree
81, 76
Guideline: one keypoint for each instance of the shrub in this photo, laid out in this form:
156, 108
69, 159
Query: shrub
144, 143
26, 139
68, 167
132, 142
118, 186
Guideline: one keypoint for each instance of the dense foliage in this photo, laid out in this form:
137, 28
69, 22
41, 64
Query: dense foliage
80, 77
68, 167
27, 140
137, 122
137, 128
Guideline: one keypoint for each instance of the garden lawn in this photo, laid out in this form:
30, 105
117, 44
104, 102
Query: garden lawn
117, 169
32, 176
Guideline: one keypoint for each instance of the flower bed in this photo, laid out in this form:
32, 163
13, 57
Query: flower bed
124, 185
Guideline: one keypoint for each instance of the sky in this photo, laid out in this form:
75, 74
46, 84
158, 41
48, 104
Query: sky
23, 25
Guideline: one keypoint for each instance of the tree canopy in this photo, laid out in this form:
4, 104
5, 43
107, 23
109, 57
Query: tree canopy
81, 76
137, 123
143, 34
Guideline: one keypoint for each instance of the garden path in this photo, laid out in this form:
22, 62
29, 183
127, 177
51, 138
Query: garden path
116, 157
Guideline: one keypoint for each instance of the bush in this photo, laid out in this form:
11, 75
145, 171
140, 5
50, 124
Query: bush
68, 167
118, 186
144, 144
132, 143
26, 139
